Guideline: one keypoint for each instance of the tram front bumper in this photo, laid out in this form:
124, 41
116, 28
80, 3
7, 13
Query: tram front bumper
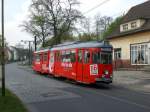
104, 80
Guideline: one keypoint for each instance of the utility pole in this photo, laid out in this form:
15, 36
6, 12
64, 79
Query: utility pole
3, 51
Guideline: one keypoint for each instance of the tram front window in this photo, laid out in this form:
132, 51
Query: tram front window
102, 58
106, 58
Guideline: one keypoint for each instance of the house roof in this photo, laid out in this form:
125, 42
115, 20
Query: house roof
140, 11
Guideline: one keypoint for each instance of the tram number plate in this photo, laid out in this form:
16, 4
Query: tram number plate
94, 69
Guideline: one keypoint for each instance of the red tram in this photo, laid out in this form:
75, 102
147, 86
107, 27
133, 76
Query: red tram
40, 61
85, 62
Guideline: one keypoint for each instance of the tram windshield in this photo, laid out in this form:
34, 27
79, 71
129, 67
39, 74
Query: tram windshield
102, 57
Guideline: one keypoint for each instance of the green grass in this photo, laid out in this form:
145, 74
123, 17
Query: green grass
10, 103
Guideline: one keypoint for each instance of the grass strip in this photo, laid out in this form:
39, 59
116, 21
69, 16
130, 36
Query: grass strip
11, 103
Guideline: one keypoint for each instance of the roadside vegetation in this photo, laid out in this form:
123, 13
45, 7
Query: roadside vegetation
57, 21
10, 103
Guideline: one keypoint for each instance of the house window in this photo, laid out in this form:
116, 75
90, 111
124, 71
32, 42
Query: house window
117, 53
125, 27
139, 54
133, 25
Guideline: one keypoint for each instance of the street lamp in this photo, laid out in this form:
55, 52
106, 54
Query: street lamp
3, 51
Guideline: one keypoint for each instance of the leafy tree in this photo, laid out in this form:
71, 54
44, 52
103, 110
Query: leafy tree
112, 26
87, 37
65, 37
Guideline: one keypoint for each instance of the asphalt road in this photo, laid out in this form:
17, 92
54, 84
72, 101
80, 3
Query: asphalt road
47, 94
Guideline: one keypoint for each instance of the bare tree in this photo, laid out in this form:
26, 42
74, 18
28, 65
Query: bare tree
97, 26
101, 24
105, 21
61, 16
37, 23
86, 24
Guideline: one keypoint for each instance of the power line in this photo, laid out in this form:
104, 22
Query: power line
102, 3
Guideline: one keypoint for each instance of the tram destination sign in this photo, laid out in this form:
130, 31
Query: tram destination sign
106, 49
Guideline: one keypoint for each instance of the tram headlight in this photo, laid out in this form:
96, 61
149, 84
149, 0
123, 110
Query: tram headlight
111, 76
106, 72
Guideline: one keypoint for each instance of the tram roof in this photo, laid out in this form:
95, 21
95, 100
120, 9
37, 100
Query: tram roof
78, 44
42, 50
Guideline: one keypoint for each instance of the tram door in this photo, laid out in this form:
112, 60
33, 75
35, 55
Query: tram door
86, 65
80, 66
83, 69
51, 63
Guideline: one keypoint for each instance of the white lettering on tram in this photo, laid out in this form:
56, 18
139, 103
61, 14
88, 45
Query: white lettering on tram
66, 65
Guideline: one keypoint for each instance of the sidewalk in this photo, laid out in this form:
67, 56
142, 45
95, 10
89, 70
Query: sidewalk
135, 80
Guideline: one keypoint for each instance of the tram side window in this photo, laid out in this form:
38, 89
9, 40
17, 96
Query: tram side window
86, 57
45, 57
68, 56
96, 57
63, 56
57, 56
41, 57
80, 56
52, 57
37, 58
73, 56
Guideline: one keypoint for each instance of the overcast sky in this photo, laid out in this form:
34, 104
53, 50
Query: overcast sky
16, 11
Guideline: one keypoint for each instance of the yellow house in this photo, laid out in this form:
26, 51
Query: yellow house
131, 39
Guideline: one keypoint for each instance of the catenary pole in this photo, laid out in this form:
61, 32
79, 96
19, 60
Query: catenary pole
3, 51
